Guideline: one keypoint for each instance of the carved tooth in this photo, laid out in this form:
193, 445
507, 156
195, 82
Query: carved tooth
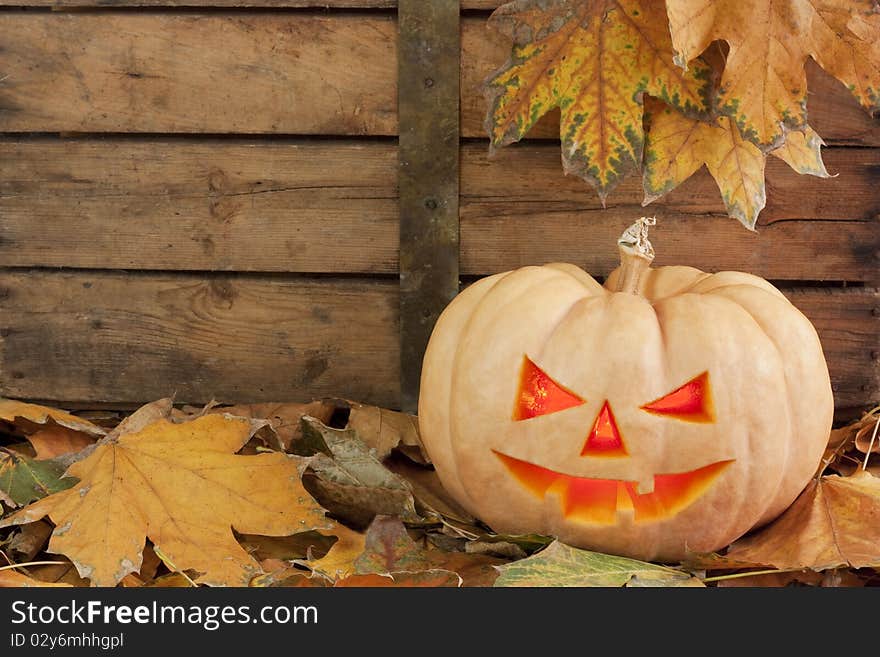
645, 486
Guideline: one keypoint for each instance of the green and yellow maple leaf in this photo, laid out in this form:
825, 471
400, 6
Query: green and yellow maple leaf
764, 85
593, 59
677, 146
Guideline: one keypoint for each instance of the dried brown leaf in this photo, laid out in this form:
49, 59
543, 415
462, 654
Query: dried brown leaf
55, 440
29, 540
11, 579
423, 578
284, 418
835, 522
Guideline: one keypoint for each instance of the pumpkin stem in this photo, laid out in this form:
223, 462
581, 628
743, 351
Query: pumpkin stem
636, 255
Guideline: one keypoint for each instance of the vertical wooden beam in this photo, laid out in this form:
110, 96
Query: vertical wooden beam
429, 63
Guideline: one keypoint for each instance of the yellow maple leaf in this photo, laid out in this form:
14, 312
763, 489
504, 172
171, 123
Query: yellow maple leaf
11, 579
14, 411
339, 560
677, 146
183, 487
594, 60
764, 86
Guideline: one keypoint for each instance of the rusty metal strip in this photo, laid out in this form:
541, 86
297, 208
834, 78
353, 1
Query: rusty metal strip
429, 56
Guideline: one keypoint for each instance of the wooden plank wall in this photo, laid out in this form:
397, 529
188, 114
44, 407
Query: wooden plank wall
203, 202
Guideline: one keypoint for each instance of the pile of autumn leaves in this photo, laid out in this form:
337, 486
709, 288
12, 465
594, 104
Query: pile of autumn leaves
277, 495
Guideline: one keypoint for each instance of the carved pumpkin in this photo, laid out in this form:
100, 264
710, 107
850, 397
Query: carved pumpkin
669, 410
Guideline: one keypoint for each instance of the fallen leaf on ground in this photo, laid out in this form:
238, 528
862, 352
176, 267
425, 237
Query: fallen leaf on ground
29, 540
593, 60
183, 487
561, 565
149, 564
55, 440
142, 418
284, 419
349, 481
63, 573
430, 496
12, 579
388, 548
290, 578
32, 416
286, 548
339, 560
774, 580
23, 479
171, 580
764, 85
423, 578
835, 522
384, 430
474, 569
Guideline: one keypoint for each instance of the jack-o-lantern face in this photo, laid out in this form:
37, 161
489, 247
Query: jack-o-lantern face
595, 499
666, 411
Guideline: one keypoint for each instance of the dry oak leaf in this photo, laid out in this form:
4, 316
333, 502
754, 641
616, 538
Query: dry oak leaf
764, 86
183, 487
835, 522
677, 146
593, 60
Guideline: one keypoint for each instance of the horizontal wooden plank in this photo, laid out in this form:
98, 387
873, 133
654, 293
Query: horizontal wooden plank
127, 338
182, 205
848, 323
331, 207
112, 337
238, 73
297, 73
516, 211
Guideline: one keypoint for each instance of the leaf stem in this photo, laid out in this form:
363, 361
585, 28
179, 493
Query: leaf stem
719, 578
871, 444
32, 563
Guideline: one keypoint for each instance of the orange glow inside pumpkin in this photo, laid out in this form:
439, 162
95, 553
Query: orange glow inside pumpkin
604, 439
540, 395
691, 402
600, 500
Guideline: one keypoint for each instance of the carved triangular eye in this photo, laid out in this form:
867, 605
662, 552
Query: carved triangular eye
540, 395
691, 402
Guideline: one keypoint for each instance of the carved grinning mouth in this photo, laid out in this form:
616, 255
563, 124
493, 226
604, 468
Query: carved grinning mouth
600, 500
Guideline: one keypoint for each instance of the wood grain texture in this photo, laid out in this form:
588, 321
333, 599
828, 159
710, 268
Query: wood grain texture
429, 68
331, 207
185, 204
107, 336
215, 73
123, 338
274, 73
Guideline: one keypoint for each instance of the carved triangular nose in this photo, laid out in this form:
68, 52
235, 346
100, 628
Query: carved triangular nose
604, 438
